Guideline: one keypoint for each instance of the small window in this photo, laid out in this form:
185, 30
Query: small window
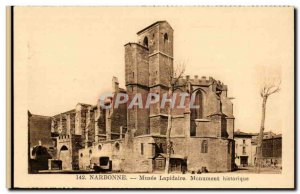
161, 148
90, 152
132, 74
142, 149
147, 131
117, 146
244, 141
166, 38
145, 42
204, 147
81, 155
244, 150
160, 164
99, 147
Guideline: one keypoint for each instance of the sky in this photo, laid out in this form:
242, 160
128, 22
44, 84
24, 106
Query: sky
72, 53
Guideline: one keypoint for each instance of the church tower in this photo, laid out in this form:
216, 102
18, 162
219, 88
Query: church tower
158, 37
148, 66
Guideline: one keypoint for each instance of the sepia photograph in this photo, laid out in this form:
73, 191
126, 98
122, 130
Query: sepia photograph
152, 97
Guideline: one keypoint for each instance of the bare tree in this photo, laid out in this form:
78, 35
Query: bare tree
270, 86
174, 77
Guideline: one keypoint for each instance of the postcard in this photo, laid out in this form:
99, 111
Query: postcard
150, 97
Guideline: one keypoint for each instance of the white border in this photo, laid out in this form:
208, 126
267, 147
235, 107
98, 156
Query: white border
4, 3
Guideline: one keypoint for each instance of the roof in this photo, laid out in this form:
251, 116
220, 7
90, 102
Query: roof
265, 133
172, 156
217, 113
40, 116
274, 137
66, 112
138, 44
241, 133
155, 23
122, 90
279, 135
83, 104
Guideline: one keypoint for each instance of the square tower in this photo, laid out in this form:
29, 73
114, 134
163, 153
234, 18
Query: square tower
137, 79
148, 68
158, 38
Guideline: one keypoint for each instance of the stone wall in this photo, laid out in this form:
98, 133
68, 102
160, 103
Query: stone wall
158, 125
138, 154
40, 131
111, 149
64, 151
90, 126
217, 159
136, 64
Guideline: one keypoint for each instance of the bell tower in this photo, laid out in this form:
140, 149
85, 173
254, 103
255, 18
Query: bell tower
148, 66
158, 38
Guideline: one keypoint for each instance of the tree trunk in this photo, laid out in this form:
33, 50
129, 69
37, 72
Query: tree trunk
261, 135
168, 139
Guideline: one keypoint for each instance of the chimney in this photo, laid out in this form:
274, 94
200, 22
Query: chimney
115, 84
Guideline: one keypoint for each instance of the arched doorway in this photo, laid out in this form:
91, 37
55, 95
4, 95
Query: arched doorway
39, 159
65, 157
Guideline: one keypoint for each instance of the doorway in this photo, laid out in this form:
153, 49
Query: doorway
244, 160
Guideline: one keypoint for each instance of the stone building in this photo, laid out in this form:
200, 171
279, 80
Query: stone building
40, 142
271, 148
272, 151
244, 151
134, 139
246, 148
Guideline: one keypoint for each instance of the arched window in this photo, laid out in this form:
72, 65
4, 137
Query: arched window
198, 113
166, 38
199, 98
81, 155
145, 42
204, 146
99, 147
90, 152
